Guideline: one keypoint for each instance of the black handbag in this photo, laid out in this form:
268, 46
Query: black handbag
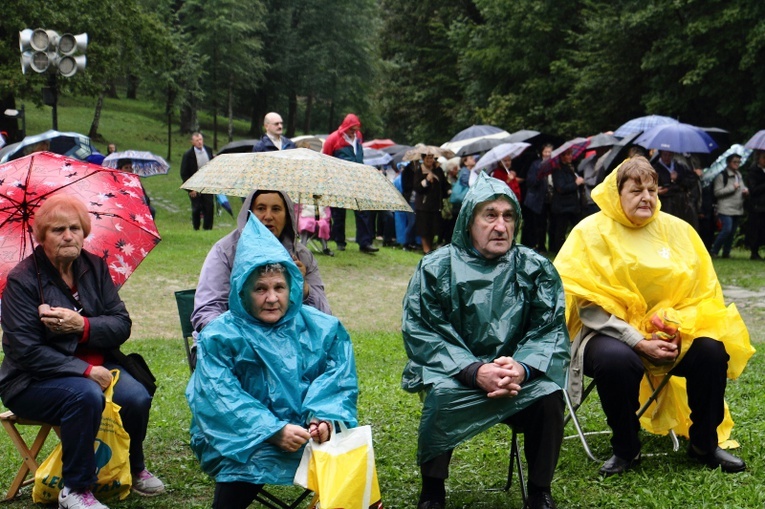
135, 364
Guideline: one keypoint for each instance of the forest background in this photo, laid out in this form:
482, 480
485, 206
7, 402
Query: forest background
413, 71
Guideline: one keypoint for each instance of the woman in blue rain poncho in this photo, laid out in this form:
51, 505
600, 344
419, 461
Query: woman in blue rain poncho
271, 373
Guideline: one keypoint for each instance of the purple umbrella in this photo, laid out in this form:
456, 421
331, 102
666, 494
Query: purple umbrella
641, 124
678, 138
756, 142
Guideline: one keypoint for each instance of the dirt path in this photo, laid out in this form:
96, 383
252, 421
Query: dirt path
751, 305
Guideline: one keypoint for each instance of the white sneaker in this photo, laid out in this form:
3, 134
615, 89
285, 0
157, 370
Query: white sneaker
147, 484
78, 500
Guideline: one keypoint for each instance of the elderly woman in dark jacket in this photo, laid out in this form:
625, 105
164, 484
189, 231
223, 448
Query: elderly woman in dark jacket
61, 318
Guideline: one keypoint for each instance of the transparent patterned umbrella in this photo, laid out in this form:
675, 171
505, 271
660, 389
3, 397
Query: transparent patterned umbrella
306, 176
145, 164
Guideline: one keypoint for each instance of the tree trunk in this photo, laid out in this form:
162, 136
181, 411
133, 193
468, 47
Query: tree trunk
169, 112
93, 133
132, 86
331, 126
189, 120
260, 103
231, 109
308, 111
111, 91
292, 114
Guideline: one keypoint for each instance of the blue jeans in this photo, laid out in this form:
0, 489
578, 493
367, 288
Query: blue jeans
76, 404
725, 237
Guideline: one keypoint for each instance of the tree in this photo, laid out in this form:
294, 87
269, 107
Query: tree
228, 33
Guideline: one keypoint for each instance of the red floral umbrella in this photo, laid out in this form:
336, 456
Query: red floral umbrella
122, 232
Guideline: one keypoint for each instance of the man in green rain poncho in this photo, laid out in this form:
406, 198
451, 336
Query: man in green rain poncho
484, 328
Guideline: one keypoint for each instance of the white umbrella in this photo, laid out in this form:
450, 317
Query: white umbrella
495, 155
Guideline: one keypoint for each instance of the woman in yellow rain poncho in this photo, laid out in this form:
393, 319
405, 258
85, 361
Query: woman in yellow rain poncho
628, 270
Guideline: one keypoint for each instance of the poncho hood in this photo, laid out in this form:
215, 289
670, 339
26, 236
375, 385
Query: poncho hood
485, 189
262, 248
606, 196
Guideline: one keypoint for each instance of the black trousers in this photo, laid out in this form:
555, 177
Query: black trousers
542, 426
203, 205
756, 234
234, 495
618, 370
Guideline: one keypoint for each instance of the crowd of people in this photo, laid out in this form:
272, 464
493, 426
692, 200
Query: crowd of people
494, 331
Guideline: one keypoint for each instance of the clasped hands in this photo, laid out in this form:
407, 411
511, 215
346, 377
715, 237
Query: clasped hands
501, 378
659, 350
292, 437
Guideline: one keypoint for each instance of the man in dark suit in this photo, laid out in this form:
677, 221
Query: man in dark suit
273, 139
202, 205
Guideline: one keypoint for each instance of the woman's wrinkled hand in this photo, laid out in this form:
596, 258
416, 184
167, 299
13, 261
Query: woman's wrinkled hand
101, 376
659, 351
290, 438
320, 431
61, 320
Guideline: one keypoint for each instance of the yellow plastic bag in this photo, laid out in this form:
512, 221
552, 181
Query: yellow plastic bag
341, 471
112, 448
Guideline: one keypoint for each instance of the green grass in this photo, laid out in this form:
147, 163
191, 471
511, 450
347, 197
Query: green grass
365, 292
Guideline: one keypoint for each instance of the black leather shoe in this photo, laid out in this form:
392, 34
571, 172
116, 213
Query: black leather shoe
719, 458
429, 504
541, 500
328, 252
616, 465
368, 249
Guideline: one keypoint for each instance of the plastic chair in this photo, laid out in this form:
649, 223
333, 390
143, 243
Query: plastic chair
26, 474
572, 409
185, 301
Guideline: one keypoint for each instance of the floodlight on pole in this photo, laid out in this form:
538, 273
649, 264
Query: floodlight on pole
45, 51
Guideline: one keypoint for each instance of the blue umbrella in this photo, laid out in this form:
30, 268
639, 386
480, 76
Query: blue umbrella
679, 138
476, 131
223, 202
640, 124
145, 164
756, 142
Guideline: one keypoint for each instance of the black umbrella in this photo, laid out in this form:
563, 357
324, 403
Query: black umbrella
395, 149
481, 145
69, 144
238, 147
618, 153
